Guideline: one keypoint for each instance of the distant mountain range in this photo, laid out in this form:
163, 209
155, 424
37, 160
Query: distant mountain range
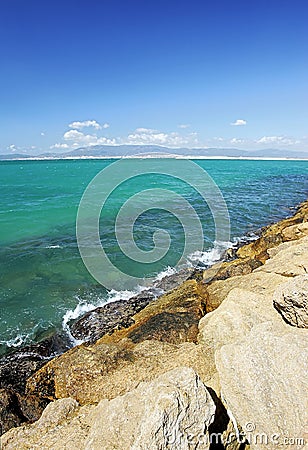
112, 151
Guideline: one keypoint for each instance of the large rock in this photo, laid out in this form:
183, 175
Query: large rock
173, 411
288, 259
119, 314
295, 232
161, 338
264, 384
10, 413
256, 282
291, 300
228, 269
261, 361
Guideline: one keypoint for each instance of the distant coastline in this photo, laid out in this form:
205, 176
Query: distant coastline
200, 157
156, 151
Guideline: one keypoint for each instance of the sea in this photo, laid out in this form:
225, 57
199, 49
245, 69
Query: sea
44, 283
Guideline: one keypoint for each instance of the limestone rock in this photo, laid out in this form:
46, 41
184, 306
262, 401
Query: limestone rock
234, 318
291, 300
62, 425
89, 374
222, 271
263, 382
288, 259
255, 282
173, 411
295, 232
274, 235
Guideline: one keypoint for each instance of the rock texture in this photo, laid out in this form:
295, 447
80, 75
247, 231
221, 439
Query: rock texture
261, 361
173, 411
291, 300
116, 362
263, 380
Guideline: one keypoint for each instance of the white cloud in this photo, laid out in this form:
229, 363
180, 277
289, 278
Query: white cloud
12, 148
105, 125
81, 139
183, 126
239, 122
59, 146
282, 140
149, 136
87, 123
236, 141
42, 133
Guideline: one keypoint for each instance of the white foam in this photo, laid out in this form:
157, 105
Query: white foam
209, 257
53, 246
17, 341
165, 273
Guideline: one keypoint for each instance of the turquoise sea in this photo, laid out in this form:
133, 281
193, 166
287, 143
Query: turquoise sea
43, 281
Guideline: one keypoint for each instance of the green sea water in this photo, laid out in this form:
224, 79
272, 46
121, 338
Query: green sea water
43, 281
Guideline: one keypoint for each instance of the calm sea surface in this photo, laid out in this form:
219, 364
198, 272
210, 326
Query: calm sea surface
43, 281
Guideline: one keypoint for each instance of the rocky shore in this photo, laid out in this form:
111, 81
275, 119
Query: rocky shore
219, 361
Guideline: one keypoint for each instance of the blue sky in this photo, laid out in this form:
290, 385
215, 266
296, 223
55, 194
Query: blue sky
200, 73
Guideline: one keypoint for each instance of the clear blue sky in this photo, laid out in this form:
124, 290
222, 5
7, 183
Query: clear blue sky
176, 73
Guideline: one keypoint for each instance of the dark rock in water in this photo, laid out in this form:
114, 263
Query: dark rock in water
116, 315
10, 413
15, 368
112, 316
170, 282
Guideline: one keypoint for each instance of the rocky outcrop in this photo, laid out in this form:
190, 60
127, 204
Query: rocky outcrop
291, 300
263, 380
240, 332
261, 361
116, 362
288, 229
16, 406
173, 411
112, 316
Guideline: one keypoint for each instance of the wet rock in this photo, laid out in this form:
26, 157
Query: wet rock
90, 371
170, 282
10, 413
112, 316
291, 300
15, 369
117, 315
